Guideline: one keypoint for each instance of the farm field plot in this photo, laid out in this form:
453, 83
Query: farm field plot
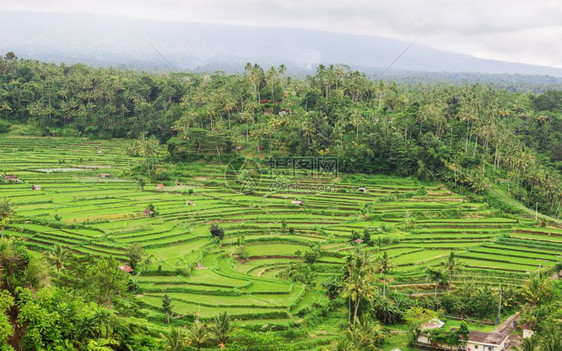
416, 224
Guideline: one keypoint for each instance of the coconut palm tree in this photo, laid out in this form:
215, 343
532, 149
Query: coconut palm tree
222, 327
550, 337
384, 266
452, 266
175, 340
438, 278
198, 335
362, 335
537, 289
58, 256
359, 281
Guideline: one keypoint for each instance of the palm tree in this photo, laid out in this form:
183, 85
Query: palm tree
537, 289
6, 212
222, 327
356, 119
550, 337
438, 278
271, 76
361, 335
359, 281
175, 340
384, 266
58, 256
528, 344
198, 335
452, 266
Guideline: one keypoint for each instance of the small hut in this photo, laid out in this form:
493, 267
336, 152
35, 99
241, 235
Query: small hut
36, 187
239, 148
189, 203
104, 175
100, 152
297, 202
11, 178
358, 241
148, 212
160, 187
127, 269
362, 190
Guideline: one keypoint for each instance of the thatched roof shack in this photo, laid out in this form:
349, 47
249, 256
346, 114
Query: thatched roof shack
127, 269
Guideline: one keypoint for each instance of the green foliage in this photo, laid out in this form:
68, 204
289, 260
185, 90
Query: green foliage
198, 335
6, 329
217, 231
4, 125
362, 335
241, 253
150, 209
359, 278
388, 311
311, 256
174, 340
167, 307
105, 280
416, 316
58, 257
367, 237
299, 273
243, 340
333, 287
19, 266
136, 254
6, 213
442, 336
222, 327
141, 182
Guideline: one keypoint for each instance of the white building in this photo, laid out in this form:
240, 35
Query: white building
477, 341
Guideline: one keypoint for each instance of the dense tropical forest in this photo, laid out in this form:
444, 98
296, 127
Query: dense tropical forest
458, 217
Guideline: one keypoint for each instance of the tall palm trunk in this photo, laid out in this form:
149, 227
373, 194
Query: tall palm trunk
356, 309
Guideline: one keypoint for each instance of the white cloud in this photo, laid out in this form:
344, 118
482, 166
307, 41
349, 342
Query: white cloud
516, 30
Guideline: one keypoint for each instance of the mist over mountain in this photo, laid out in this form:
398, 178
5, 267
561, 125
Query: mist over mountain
165, 46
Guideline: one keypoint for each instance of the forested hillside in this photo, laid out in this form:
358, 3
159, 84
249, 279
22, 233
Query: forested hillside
470, 136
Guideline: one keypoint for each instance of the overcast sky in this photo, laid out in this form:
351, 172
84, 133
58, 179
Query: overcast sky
510, 30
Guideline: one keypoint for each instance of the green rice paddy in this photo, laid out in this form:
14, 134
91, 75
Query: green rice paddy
91, 215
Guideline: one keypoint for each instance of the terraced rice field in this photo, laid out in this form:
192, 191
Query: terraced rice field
422, 223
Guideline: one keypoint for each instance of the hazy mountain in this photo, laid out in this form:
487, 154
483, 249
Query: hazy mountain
135, 43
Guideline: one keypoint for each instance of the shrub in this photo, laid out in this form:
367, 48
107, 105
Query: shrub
311, 256
241, 253
216, 231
